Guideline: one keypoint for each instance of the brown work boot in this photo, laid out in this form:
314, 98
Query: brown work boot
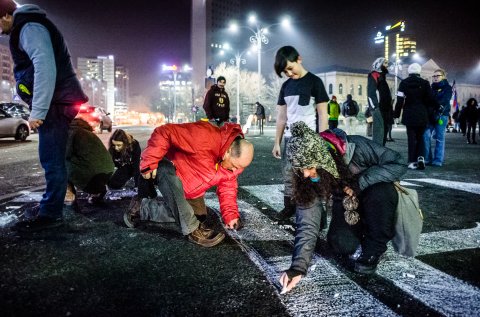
206, 237
131, 217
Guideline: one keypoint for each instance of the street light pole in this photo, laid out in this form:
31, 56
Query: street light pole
257, 39
238, 59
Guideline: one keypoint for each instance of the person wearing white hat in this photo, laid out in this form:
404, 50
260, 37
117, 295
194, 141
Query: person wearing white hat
415, 98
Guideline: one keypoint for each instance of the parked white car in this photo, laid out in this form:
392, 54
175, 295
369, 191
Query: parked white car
13, 127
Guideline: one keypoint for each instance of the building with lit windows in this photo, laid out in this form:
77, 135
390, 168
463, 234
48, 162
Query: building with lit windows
98, 74
121, 89
394, 40
210, 20
7, 87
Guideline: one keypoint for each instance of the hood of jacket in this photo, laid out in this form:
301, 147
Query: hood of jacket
29, 9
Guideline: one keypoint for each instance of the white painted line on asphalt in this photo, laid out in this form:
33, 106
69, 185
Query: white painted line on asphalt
467, 187
450, 240
436, 289
325, 291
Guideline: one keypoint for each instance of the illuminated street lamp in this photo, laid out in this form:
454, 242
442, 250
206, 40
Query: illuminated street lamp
397, 66
259, 36
236, 61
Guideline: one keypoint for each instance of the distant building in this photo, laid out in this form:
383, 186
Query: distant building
7, 86
394, 41
122, 81
341, 80
99, 73
210, 19
176, 96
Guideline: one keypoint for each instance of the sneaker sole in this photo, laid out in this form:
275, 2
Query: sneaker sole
128, 222
211, 242
364, 269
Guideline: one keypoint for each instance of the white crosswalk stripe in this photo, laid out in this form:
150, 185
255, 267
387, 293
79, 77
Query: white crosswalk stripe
325, 291
438, 290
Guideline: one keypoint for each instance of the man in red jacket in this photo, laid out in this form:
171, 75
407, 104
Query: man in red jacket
185, 160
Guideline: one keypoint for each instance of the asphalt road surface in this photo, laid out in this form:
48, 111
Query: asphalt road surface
96, 266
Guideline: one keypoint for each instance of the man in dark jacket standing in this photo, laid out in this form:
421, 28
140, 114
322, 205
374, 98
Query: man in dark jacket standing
415, 97
46, 81
260, 113
381, 106
437, 126
217, 103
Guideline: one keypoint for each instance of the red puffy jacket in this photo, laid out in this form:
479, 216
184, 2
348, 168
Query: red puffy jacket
196, 149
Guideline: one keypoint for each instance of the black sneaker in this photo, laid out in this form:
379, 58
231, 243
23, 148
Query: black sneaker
97, 199
31, 211
366, 264
37, 224
420, 163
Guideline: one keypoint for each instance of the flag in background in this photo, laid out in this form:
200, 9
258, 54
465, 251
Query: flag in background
455, 101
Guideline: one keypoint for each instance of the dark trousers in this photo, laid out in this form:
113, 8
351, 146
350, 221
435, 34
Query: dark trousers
415, 143
332, 124
97, 184
471, 129
175, 204
376, 226
261, 122
122, 175
378, 129
52, 145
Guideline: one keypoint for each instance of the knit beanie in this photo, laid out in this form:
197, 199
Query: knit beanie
306, 149
377, 64
414, 68
7, 7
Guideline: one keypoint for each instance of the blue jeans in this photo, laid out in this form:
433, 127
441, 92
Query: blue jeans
53, 135
437, 131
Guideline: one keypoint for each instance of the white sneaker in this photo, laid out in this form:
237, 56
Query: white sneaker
412, 166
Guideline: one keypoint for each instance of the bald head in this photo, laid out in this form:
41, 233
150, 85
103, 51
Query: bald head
239, 155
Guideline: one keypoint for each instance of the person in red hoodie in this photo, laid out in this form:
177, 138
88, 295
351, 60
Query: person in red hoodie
185, 160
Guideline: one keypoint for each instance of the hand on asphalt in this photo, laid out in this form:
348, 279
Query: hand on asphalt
235, 224
287, 284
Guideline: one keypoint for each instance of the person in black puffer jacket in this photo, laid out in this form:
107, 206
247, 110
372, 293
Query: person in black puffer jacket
415, 97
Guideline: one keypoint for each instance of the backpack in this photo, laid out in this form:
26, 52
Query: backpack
350, 109
409, 223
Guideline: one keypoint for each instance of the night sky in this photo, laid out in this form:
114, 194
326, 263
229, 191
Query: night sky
142, 35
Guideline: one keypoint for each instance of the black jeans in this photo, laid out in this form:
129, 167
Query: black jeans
415, 143
376, 226
122, 175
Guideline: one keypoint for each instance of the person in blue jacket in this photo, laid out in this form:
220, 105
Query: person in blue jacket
47, 82
437, 126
